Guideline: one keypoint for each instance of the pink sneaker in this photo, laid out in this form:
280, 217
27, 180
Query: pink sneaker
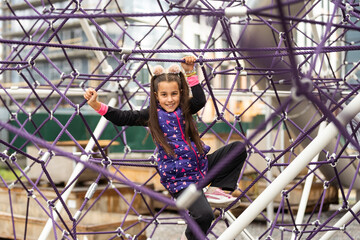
220, 199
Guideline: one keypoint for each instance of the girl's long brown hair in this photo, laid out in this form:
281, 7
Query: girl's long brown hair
191, 131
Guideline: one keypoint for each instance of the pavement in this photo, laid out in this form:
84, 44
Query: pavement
257, 229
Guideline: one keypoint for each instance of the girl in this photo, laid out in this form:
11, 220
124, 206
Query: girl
182, 156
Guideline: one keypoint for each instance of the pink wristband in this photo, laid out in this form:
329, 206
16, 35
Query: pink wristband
103, 109
193, 80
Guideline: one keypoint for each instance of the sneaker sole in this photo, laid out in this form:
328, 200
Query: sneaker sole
223, 205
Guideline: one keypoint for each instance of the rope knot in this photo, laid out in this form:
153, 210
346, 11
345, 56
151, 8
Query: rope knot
200, 59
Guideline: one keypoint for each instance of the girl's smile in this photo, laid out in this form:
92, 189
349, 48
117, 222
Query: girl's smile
168, 95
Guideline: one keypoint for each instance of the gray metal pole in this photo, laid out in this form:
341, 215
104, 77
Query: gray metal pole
78, 168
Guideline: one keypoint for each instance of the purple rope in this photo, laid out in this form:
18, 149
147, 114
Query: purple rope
12, 213
218, 13
298, 50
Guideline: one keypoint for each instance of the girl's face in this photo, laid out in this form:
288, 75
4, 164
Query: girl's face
168, 95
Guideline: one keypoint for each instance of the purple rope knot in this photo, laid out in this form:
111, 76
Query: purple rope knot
120, 232
106, 162
51, 204
220, 116
333, 160
36, 84
65, 234
200, 60
13, 157
125, 57
239, 69
31, 62
345, 18
173, 34
13, 116
296, 230
19, 68
75, 73
302, 88
282, 35
45, 10
30, 193
269, 74
345, 205
172, 5
152, 159
316, 223
285, 194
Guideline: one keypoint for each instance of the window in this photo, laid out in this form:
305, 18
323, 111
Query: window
197, 40
223, 79
196, 18
225, 43
212, 43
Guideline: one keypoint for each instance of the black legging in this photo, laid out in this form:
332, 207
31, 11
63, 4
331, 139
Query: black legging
226, 179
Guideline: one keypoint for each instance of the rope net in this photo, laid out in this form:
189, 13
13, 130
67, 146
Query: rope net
275, 74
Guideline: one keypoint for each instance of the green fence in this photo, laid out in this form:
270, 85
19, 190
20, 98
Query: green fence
138, 138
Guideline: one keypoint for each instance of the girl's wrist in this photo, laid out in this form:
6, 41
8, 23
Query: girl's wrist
96, 105
102, 109
190, 73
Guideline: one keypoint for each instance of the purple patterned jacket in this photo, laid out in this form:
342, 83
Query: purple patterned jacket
177, 173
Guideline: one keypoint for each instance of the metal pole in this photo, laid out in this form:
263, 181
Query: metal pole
291, 171
307, 187
244, 234
269, 175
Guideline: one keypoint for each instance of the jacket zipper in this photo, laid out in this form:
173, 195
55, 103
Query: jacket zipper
183, 137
